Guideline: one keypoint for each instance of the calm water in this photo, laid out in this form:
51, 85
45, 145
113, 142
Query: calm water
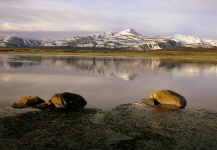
105, 82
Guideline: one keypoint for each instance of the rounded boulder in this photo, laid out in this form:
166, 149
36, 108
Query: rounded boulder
167, 97
67, 100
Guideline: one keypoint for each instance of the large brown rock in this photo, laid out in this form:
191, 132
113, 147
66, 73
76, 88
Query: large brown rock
28, 101
67, 100
167, 97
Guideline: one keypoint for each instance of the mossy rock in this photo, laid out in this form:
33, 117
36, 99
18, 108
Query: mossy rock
28, 101
168, 97
67, 100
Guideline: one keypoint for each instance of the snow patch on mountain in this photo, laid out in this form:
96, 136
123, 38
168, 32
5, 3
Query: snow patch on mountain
104, 35
183, 39
128, 32
190, 41
212, 43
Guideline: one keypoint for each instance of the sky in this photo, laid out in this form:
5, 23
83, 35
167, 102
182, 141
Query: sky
148, 17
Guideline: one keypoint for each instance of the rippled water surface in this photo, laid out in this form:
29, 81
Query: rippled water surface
106, 82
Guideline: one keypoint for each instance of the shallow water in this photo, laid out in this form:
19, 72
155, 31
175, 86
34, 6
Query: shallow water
106, 82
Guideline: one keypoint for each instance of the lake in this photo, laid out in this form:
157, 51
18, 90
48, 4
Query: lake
106, 82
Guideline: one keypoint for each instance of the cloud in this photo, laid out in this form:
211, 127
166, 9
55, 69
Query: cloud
7, 26
197, 17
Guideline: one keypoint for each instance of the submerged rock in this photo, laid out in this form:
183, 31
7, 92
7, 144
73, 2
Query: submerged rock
167, 97
28, 101
67, 100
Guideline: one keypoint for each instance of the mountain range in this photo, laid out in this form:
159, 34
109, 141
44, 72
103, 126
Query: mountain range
127, 39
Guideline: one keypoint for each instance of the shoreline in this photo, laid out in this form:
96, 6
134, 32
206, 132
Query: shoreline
197, 55
123, 127
12, 112
59, 51
9, 111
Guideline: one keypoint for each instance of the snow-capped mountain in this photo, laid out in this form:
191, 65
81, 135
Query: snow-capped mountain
127, 39
129, 32
110, 40
16, 41
194, 42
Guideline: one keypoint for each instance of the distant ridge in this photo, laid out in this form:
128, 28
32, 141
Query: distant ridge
128, 39
16, 41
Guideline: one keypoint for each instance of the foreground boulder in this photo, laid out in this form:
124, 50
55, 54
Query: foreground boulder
67, 100
28, 101
167, 97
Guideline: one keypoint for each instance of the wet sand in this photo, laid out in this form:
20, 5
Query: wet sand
10, 112
124, 127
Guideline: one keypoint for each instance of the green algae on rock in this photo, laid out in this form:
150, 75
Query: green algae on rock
28, 101
164, 99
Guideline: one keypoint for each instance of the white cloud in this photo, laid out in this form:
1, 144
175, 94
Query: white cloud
195, 17
7, 26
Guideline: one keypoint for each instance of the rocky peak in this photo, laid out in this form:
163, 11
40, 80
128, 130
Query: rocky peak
128, 32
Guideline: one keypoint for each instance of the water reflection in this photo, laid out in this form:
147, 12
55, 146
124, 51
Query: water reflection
121, 67
45, 75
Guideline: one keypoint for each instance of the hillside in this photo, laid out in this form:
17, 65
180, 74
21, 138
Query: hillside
127, 39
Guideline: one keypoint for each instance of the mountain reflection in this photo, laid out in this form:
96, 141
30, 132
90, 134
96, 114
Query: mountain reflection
121, 67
